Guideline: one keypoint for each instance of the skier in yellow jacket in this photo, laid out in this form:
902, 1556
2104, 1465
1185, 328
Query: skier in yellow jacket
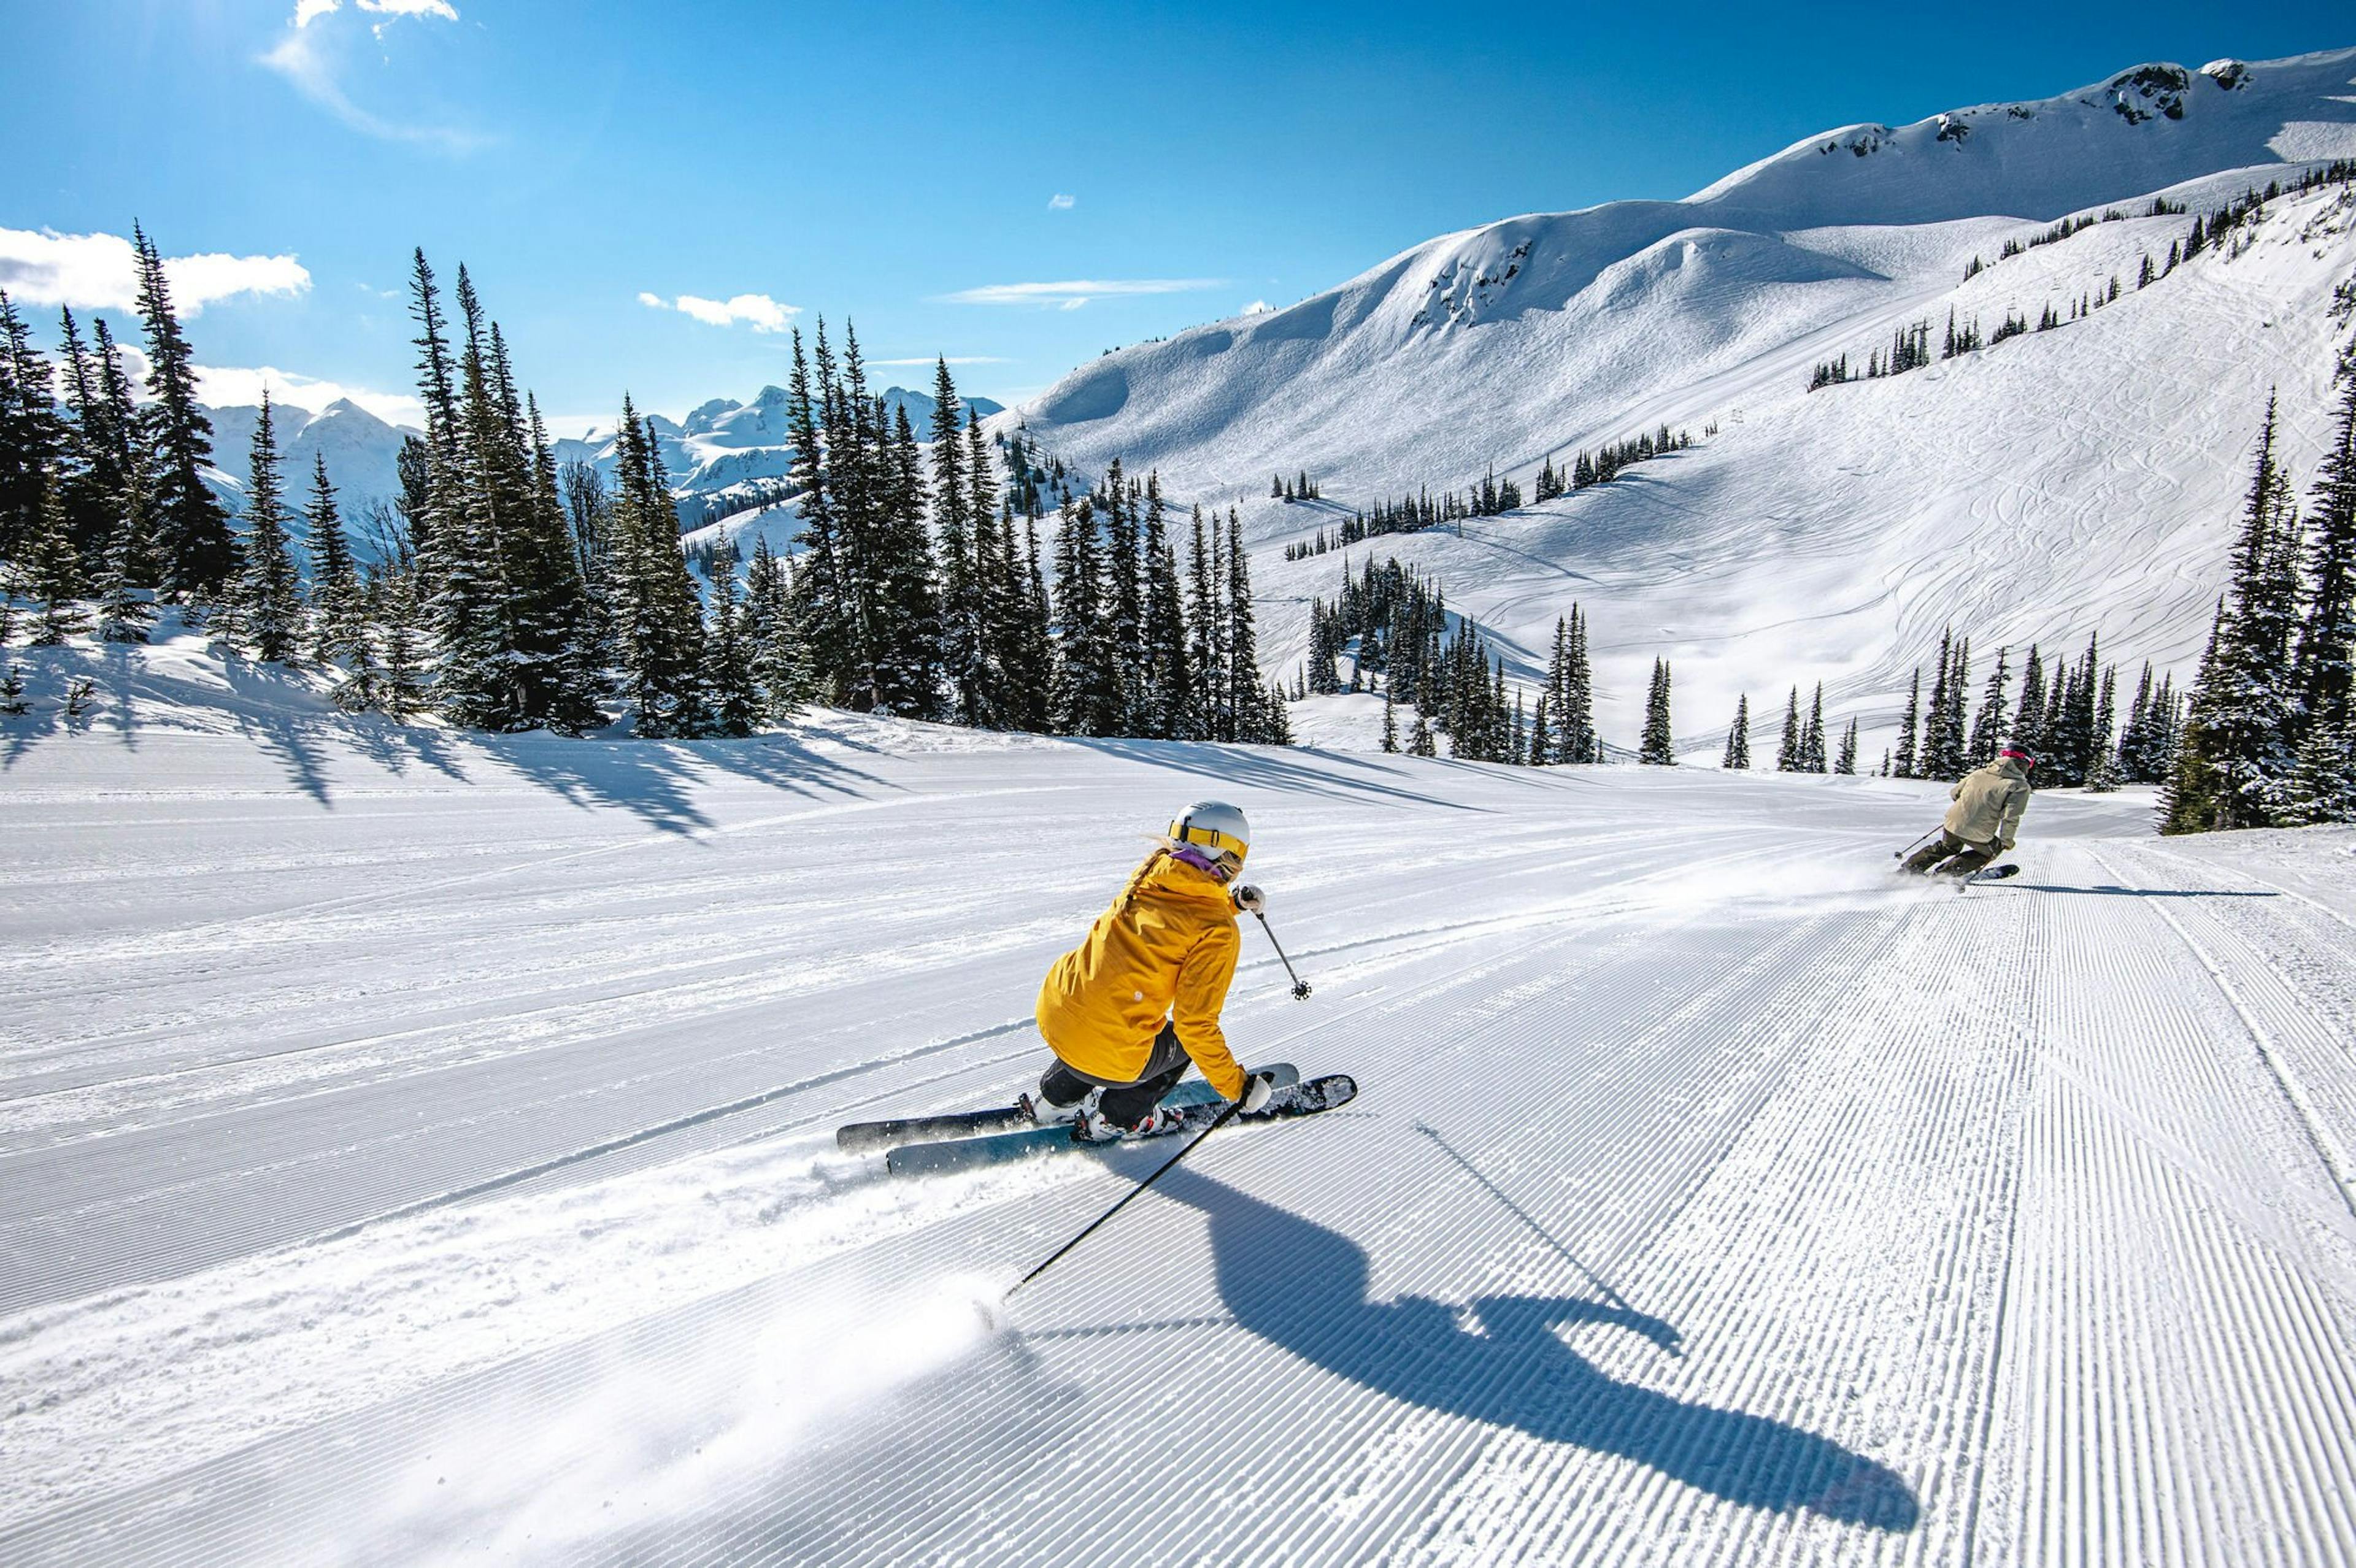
1126, 1009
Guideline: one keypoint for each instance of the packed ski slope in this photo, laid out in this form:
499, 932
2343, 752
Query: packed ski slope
2061, 484
416, 1148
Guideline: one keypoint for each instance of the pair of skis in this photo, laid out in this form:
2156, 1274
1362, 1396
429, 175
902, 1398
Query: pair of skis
968, 1140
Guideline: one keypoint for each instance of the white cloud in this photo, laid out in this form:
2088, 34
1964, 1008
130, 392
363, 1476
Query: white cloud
100, 272
1059, 203
953, 358
1077, 293
758, 312
1256, 307
230, 386
308, 11
306, 58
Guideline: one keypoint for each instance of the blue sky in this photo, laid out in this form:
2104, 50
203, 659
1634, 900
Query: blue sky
644, 194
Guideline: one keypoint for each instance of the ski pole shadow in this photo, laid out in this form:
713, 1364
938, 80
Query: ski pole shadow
2111, 889
1304, 1288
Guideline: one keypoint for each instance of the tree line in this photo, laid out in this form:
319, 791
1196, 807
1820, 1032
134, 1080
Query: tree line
511, 592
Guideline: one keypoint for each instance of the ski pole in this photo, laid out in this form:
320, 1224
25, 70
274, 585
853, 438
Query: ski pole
1220, 1121
1902, 854
1300, 985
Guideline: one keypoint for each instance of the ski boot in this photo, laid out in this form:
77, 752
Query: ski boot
1095, 1127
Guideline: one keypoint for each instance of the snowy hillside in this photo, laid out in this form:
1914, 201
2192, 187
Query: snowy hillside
2046, 487
415, 1148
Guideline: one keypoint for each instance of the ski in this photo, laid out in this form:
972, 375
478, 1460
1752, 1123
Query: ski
1302, 1099
858, 1136
1989, 874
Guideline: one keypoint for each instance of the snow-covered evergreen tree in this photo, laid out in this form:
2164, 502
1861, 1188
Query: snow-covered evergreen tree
1738, 735
270, 596
1656, 748
1812, 737
2234, 760
1905, 754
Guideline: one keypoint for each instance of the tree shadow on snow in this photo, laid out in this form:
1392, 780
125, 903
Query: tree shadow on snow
1230, 765
1304, 1288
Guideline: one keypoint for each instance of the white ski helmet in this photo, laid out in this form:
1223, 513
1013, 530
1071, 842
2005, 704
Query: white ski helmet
1214, 828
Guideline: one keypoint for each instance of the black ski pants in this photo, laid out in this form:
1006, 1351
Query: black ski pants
1961, 857
1123, 1105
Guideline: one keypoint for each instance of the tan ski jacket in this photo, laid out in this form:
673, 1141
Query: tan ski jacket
1989, 804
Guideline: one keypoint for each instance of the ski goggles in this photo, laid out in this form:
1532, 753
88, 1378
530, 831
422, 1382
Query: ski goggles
1209, 839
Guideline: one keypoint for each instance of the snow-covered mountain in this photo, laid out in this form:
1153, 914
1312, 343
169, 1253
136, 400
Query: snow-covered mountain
362, 451
2048, 486
717, 457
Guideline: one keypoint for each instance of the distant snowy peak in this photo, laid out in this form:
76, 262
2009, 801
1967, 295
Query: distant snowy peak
363, 451
2154, 126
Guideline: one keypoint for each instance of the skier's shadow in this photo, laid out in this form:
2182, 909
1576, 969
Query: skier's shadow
1301, 1287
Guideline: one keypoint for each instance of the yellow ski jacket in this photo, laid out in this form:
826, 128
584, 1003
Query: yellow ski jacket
1166, 948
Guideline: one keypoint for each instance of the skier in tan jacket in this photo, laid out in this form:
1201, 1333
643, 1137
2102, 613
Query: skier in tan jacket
1985, 819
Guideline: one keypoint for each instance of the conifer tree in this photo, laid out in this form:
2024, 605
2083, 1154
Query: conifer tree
821, 587
88, 473
2135, 738
1658, 749
965, 654
732, 704
779, 672
660, 622
1580, 741
1906, 727
1418, 738
1738, 735
1846, 762
2234, 762
1390, 724
1787, 751
128, 458
2325, 668
1034, 680
1168, 677
336, 611
1812, 738
1954, 743
190, 529
1089, 696
56, 575
32, 437
1253, 716
1932, 761
124, 615
1988, 724
1124, 597
908, 652
2103, 773
270, 596
1203, 620
2323, 781
404, 691
2028, 719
